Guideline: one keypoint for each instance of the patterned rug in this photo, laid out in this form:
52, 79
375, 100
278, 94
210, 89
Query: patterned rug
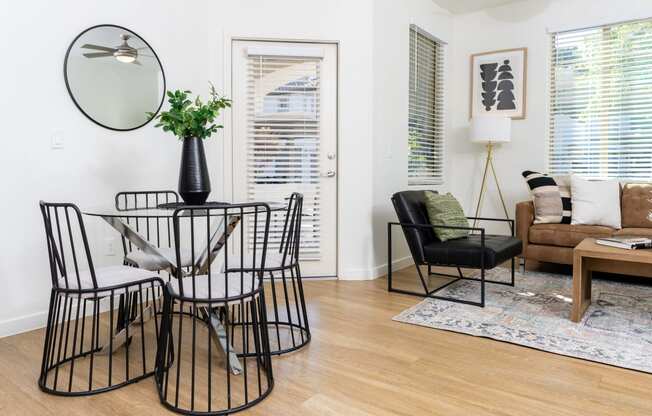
615, 330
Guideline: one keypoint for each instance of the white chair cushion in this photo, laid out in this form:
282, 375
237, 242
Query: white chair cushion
107, 277
273, 259
218, 286
153, 263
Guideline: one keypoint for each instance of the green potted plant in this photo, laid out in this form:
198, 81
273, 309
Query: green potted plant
192, 122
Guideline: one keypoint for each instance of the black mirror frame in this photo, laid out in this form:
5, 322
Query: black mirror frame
65, 77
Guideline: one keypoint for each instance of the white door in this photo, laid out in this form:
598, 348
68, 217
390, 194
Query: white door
285, 138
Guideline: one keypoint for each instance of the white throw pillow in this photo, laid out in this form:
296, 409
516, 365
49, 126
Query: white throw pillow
595, 202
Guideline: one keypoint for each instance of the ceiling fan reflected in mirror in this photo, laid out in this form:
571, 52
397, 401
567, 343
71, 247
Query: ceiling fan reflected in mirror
123, 53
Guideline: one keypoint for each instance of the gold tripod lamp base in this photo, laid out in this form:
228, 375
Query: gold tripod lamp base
489, 163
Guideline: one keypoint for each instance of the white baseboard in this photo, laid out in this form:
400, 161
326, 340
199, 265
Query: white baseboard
34, 321
23, 324
375, 272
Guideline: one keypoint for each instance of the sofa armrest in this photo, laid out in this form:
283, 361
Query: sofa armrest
524, 219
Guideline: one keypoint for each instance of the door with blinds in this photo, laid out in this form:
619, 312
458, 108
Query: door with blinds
285, 139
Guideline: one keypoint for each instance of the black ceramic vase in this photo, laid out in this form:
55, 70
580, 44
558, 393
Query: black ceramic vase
194, 183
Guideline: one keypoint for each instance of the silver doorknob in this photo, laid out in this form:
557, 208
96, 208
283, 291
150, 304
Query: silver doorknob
329, 174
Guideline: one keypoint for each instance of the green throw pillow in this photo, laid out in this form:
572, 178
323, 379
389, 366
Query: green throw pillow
446, 210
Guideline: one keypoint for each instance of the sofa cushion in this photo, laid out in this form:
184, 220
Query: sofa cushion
550, 254
642, 232
637, 205
566, 235
467, 252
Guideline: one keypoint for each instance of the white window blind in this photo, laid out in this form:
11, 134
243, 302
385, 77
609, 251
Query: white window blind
426, 124
283, 135
601, 102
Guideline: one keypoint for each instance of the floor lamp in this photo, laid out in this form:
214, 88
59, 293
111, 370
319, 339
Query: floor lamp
490, 130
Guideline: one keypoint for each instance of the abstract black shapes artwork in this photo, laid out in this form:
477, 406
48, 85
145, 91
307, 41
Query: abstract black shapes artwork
498, 83
488, 74
506, 87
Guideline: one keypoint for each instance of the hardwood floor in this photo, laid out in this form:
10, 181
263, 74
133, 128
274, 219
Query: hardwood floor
360, 362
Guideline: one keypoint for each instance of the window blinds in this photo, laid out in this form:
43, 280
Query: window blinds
425, 138
283, 135
601, 102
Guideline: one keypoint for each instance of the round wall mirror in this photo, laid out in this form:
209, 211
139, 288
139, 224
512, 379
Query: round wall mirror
114, 77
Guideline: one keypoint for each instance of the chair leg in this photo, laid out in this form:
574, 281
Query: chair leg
163, 337
287, 316
482, 286
389, 257
302, 299
46, 342
72, 347
423, 281
213, 389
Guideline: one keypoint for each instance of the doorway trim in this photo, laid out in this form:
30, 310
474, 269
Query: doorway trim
227, 143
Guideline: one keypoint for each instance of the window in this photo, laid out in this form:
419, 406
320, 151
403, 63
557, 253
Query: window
601, 102
283, 139
425, 135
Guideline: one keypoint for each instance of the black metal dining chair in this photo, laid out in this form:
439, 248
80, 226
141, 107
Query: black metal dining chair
85, 330
287, 317
211, 362
157, 230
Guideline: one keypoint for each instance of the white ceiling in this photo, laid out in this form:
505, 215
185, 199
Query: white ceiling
466, 6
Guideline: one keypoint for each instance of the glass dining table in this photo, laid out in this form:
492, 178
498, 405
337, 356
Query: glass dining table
125, 220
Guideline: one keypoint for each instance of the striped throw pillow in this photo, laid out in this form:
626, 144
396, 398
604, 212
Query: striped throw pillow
564, 184
547, 198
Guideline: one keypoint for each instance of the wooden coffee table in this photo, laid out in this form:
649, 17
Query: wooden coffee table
589, 256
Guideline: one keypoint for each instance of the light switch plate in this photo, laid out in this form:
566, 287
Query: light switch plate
110, 246
57, 140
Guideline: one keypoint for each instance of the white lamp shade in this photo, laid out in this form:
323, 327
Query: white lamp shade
486, 129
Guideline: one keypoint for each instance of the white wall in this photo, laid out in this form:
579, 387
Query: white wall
523, 24
391, 57
95, 162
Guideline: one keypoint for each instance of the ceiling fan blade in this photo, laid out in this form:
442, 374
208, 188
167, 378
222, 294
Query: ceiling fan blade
143, 47
98, 54
137, 63
98, 47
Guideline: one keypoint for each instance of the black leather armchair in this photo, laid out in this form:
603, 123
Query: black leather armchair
477, 251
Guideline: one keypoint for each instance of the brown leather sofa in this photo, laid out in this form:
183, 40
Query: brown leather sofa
554, 243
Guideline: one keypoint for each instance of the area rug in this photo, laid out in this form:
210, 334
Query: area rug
615, 330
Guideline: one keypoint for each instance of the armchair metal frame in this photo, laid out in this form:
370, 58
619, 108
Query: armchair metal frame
456, 278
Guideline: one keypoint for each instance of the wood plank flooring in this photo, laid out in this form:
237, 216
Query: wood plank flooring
360, 362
